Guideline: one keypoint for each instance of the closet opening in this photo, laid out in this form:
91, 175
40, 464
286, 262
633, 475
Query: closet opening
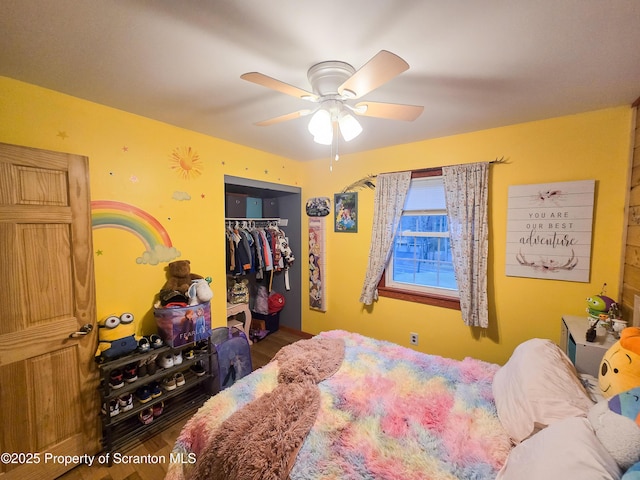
261, 204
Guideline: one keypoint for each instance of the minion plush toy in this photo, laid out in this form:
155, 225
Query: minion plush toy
116, 337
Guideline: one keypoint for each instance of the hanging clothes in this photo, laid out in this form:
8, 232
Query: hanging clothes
252, 249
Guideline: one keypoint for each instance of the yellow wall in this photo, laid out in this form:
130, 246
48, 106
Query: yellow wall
143, 177
593, 145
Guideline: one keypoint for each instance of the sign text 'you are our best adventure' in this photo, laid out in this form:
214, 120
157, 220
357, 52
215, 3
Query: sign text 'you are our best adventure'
549, 230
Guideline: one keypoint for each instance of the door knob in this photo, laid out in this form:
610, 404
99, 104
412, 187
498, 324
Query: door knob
86, 328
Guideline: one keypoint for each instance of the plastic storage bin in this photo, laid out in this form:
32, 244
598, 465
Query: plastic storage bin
182, 325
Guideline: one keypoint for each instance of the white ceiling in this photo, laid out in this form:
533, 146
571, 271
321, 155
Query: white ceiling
473, 64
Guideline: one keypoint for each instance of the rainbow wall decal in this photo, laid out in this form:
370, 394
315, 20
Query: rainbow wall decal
111, 214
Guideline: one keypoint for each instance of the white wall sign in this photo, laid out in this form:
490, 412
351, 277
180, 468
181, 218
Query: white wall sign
549, 230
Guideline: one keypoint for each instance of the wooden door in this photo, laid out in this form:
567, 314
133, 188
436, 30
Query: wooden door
48, 381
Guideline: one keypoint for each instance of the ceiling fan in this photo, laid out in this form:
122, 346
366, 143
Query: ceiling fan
334, 85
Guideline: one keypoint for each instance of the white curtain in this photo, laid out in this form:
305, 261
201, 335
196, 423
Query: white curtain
466, 193
391, 190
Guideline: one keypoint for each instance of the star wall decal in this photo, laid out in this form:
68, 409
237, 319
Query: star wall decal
125, 149
98, 252
63, 135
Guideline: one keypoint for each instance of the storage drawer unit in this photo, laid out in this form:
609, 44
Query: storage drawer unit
254, 207
235, 205
270, 208
586, 356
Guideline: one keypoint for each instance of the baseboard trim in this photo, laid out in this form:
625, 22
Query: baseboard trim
293, 331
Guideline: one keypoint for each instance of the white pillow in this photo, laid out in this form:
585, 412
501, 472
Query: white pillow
567, 449
537, 386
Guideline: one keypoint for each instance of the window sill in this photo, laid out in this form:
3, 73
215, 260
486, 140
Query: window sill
427, 299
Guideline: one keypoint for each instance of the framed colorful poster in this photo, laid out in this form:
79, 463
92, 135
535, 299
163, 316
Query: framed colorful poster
549, 230
346, 212
317, 286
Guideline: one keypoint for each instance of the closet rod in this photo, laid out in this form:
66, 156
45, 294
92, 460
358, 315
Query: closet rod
261, 219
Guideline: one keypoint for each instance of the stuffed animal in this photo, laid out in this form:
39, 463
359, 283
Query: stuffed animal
599, 305
620, 366
616, 420
616, 423
179, 276
199, 291
116, 337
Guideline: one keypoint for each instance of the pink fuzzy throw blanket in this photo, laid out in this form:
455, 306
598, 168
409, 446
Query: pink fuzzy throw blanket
261, 440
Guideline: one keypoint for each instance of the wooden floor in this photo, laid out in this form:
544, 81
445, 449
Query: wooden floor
162, 444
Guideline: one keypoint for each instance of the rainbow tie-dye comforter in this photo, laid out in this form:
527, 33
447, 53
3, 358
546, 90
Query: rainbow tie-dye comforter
387, 413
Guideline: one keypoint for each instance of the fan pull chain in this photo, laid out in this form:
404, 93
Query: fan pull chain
334, 156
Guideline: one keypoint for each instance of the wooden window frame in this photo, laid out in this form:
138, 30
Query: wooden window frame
419, 297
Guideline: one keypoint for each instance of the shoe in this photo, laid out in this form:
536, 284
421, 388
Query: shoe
169, 383
144, 345
114, 408
142, 368
189, 354
125, 402
116, 379
155, 340
152, 365
155, 390
177, 358
166, 361
198, 368
157, 409
144, 394
146, 416
180, 381
201, 347
131, 373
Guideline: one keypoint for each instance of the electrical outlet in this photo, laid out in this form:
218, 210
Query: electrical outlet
413, 338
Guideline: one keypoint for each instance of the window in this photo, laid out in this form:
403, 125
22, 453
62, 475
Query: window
420, 268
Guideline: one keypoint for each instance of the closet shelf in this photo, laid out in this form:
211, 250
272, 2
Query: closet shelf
281, 222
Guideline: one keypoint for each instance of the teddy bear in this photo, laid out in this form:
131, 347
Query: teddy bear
179, 276
616, 419
620, 366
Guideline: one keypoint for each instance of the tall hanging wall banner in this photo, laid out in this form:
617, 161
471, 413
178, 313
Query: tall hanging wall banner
317, 282
549, 230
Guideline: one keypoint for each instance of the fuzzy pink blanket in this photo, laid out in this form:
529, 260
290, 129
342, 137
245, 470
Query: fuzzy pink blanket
261, 440
388, 413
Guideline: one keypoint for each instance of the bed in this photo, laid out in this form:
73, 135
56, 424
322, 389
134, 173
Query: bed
345, 406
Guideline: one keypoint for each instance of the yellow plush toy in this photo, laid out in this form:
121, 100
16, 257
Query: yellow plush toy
620, 366
116, 336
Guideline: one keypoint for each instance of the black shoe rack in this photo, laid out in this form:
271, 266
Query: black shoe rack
124, 429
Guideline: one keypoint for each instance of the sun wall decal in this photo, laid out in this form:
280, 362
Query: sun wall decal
186, 162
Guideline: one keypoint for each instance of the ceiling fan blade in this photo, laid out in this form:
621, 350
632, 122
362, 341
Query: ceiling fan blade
282, 87
393, 111
283, 118
379, 70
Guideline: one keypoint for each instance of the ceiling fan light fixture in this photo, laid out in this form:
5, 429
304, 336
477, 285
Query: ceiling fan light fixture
350, 128
320, 127
324, 139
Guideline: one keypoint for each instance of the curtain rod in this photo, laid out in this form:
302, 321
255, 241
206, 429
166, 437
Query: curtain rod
423, 172
500, 160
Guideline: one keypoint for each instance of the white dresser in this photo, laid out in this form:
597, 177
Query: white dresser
586, 356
